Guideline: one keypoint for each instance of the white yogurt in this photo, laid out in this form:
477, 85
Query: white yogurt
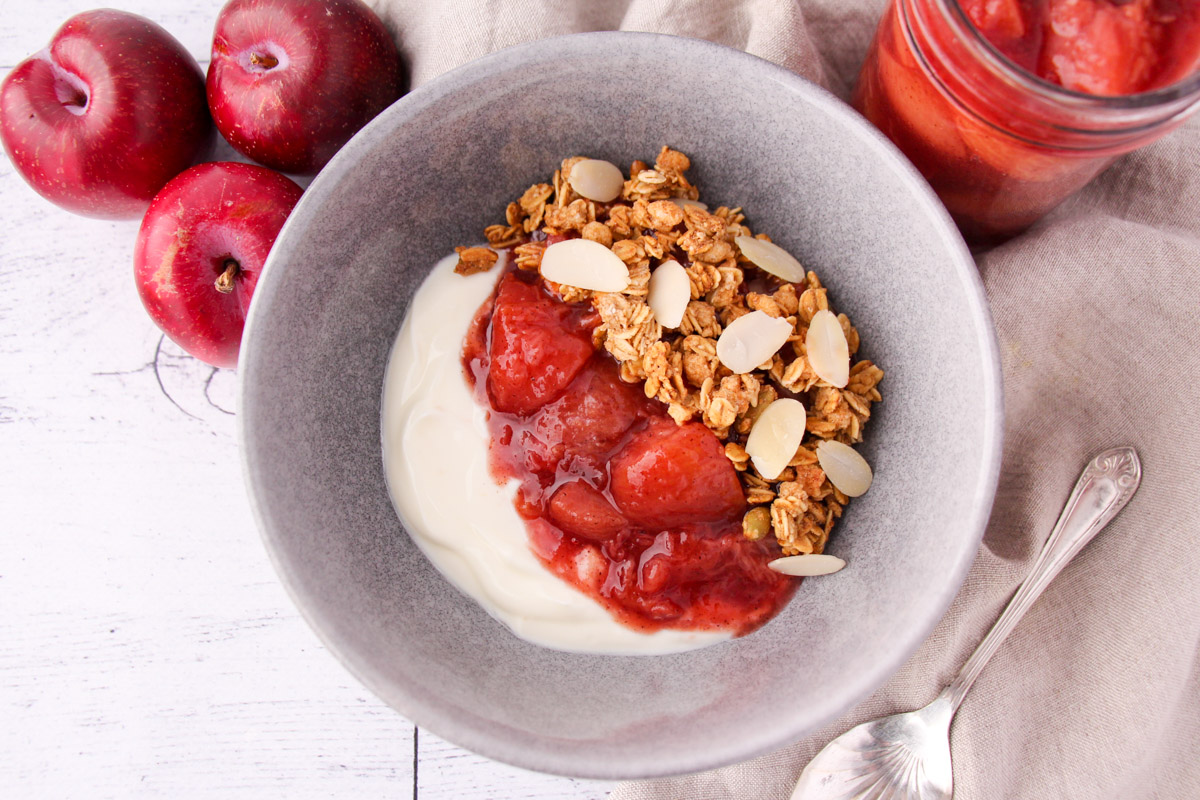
435, 446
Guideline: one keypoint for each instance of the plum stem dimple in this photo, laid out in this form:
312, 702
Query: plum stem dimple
225, 279
266, 61
263, 57
69, 89
76, 98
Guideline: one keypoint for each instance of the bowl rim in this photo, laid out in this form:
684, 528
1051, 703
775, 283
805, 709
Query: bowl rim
427, 712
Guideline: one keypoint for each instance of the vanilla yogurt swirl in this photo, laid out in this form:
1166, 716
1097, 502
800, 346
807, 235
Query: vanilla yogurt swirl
435, 452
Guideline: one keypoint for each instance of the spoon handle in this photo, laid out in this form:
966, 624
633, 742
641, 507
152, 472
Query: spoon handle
1107, 483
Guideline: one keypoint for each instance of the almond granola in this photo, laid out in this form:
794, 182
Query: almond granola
657, 218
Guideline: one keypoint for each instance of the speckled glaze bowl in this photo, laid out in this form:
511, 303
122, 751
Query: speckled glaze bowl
429, 174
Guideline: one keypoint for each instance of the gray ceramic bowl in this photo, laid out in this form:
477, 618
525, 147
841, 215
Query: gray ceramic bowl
429, 174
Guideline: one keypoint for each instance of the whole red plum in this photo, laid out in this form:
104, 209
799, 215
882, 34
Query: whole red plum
201, 248
101, 119
291, 81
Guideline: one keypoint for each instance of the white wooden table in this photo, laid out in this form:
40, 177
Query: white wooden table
147, 647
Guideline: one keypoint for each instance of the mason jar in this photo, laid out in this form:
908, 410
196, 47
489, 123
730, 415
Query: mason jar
999, 145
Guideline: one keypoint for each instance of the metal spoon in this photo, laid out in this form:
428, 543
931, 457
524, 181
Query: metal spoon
907, 756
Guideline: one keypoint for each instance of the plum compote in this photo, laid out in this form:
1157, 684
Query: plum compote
1007, 107
636, 511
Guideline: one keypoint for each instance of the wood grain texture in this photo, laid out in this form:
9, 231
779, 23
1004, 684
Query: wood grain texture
149, 650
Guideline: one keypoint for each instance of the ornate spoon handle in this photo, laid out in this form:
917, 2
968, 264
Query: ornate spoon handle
1103, 489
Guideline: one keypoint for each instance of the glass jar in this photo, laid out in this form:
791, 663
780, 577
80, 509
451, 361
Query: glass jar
999, 145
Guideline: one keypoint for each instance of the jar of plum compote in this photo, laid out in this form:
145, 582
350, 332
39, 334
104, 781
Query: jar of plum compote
1007, 107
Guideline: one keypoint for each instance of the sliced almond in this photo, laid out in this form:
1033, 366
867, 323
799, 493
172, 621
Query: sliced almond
827, 349
596, 180
807, 565
775, 437
584, 264
845, 468
750, 340
771, 258
684, 202
669, 293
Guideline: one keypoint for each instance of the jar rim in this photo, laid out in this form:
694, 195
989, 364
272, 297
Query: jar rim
1171, 93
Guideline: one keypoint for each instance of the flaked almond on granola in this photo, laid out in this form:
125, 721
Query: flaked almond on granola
675, 395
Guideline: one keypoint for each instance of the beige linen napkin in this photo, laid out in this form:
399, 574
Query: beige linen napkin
1097, 693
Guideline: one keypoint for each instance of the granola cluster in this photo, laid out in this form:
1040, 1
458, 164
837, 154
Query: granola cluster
656, 218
